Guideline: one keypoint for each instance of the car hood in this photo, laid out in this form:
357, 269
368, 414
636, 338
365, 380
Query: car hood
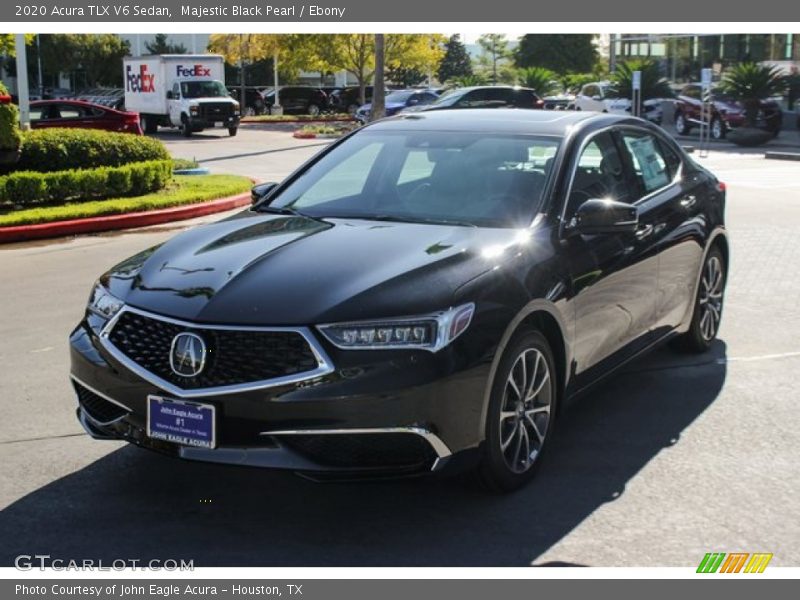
257, 268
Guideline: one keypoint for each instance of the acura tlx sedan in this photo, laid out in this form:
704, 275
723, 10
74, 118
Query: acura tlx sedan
422, 295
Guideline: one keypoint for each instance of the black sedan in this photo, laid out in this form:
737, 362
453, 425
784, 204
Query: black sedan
423, 295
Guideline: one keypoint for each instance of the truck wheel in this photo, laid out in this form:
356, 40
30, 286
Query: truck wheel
186, 129
232, 131
148, 123
312, 110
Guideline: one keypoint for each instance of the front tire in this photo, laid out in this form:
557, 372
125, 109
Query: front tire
313, 110
232, 131
521, 413
186, 128
708, 305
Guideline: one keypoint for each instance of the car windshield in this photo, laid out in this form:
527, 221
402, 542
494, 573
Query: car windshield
463, 178
203, 89
398, 97
449, 97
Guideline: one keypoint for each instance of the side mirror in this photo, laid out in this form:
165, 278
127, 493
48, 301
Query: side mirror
170, 96
599, 216
260, 191
597, 98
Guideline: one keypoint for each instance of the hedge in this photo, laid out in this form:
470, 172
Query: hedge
60, 149
28, 188
9, 124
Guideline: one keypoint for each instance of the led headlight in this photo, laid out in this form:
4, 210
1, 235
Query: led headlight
428, 332
102, 303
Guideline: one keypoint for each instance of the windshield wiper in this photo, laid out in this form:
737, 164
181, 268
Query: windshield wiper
401, 219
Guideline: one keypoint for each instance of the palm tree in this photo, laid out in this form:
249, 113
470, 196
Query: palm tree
653, 85
750, 84
543, 81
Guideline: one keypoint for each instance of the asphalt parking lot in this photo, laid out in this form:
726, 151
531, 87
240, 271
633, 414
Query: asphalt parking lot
674, 457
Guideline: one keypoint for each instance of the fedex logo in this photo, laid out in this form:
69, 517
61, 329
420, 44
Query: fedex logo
193, 71
139, 81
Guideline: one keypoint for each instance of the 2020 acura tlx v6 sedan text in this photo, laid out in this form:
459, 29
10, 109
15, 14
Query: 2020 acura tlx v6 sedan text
424, 293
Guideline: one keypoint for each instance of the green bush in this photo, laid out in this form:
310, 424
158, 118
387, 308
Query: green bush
9, 124
59, 149
32, 187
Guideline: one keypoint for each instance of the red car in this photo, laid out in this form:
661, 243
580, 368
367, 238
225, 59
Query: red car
76, 113
725, 112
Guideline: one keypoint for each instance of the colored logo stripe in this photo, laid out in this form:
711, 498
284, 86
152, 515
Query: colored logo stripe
711, 562
734, 563
758, 562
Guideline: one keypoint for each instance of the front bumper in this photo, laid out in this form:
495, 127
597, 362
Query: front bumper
375, 413
198, 123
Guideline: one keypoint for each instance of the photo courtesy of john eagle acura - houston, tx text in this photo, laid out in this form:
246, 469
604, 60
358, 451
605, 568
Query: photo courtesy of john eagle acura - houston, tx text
422, 296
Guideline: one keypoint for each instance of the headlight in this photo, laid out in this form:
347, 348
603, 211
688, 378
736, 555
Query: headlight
428, 332
194, 109
102, 303
236, 108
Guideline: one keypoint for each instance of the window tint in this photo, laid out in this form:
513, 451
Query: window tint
344, 180
598, 174
649, 163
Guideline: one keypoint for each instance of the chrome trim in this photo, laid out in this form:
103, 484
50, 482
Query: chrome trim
435, 442
104, 397
325, 365
92, 428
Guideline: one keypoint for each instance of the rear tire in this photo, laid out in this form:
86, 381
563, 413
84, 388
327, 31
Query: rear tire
521, 413
717, 129
682, 126
313, 110
232, 131
148, 123
707, 306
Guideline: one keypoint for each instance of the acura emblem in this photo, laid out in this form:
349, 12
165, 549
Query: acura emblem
187, 356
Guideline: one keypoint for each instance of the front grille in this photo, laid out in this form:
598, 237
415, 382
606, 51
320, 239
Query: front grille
363, 450
233, 356
97, 407
216, 111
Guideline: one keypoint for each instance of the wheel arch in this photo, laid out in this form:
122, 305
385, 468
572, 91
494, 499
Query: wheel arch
545, 317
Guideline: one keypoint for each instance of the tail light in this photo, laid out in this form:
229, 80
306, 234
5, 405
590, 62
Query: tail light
539, 103
721, 187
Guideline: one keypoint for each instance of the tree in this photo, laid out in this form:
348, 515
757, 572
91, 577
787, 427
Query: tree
456, 61
543, 81
751, 83
405, 77
355, 53
97, 56
561, 53
495, 50
653, 85
159, 45
8, 49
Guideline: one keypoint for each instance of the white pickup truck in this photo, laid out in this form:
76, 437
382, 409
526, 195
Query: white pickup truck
186, 91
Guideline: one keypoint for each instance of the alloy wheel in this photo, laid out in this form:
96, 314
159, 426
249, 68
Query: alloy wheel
525, 410
710, 298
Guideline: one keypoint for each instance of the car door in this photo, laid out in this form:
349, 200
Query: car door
692, 102
613, 277
673, 195
174, 104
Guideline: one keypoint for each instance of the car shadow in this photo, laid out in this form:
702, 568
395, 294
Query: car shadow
134, 504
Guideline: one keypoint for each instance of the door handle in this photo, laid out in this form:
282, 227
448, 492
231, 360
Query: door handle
688, 201
643, 231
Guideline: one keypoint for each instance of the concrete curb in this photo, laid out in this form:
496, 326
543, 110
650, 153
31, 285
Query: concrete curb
38, 231
782, 155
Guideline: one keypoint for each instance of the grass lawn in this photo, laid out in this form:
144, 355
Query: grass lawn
184, 189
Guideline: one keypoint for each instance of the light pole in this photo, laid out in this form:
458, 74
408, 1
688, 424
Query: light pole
22, 82
39, 61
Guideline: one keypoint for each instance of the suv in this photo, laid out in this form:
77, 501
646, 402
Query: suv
297, 100
253, 100
594, 96
485, 97
347, 99
724, 113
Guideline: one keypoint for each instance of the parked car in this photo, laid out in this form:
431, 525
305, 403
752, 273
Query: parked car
77, 113
347, 100
723, 112
594, 96
254, 100
297, 100
499, 96
418, 297
563, 101
397, 100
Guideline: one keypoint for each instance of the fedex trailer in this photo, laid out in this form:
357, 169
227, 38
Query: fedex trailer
186, 91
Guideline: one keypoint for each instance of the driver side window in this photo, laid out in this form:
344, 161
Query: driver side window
599, 173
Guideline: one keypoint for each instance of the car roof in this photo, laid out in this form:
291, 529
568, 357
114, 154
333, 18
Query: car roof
501, 120
71, 101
